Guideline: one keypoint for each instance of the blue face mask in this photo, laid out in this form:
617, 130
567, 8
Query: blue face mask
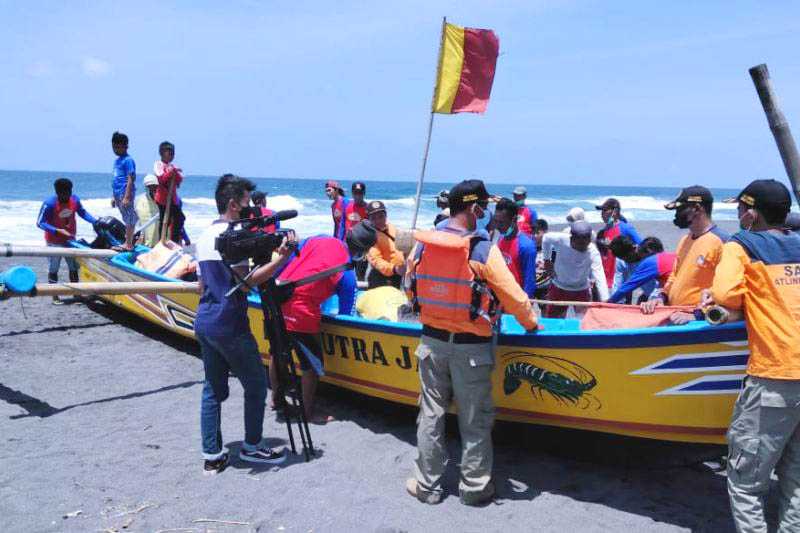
520, 203
510, 231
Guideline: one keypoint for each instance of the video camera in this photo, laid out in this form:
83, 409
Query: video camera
246, 242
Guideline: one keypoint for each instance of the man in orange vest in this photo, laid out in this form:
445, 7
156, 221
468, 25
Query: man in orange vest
759, 272
454, 273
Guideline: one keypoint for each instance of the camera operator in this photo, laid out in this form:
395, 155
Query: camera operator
223, 331
302, 310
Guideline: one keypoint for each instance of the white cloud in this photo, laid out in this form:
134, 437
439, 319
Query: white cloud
94, 67
39, 69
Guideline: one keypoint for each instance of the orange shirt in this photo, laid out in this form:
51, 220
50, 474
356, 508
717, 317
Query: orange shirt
696, 259
384, 256
770, 297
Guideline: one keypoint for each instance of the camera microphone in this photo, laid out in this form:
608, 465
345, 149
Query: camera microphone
286, 214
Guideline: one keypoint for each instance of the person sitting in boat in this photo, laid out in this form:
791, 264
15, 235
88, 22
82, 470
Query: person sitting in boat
385, 260
302, 310
146, 209
169, 175
577, 264
455, 353
222, 329
652, 267
697, 255
759, 273
526, 216
614, 225
519, 250
339, 205
57, 220
259, 199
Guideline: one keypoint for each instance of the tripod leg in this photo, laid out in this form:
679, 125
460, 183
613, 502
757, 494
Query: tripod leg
302, 422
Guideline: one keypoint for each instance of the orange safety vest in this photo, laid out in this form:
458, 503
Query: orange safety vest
444, 285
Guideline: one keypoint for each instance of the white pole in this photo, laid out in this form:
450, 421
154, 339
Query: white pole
430, 130
117, 287
11, 250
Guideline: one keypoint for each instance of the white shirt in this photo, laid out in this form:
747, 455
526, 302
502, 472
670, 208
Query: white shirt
574, 269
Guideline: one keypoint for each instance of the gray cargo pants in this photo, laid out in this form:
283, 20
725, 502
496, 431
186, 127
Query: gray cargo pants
461, 372
765, 434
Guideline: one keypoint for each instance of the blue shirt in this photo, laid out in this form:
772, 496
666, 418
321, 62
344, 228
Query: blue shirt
644, 275
123, 167
218, 315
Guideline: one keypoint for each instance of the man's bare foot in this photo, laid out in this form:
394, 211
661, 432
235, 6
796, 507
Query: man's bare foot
320, 419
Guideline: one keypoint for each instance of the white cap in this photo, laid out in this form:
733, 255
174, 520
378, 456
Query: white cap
575, 214
150, 180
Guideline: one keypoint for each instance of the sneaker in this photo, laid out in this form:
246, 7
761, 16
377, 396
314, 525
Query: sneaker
57, 301
215, 466
263, 455
484, 498
413, 489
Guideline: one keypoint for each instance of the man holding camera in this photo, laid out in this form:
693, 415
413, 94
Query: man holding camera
223, 330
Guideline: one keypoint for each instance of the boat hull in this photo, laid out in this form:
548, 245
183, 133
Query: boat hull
675, 384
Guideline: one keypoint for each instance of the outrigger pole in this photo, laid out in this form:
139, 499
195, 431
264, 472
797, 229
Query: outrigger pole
430, 128
779, 126
167, 209
12, 250
106, 288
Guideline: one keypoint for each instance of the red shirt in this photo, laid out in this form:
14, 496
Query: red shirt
353, 214
164, 173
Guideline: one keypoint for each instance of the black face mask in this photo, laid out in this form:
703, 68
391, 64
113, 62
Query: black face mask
682, 218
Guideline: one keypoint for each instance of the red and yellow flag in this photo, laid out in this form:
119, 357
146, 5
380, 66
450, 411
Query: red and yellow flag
466, 70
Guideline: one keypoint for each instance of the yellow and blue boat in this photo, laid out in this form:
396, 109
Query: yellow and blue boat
675, 383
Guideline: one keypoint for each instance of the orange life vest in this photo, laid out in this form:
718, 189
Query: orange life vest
444, 285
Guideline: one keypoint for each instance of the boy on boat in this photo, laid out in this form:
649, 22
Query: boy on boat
577, 264
167, 173
455, 353
526, 216
123, 186
385, 259
615, 225
697, 255
57, 219
302, 311
759, 272
519, 250
222, 329
339, 205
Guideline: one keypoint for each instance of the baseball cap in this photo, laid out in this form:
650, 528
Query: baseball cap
696, 194
359, 186
333, 184
581, 229
575, 214
150, 180
764, 195
375, 206
520, 190
610, 203
792, 222
466, 193
360, 239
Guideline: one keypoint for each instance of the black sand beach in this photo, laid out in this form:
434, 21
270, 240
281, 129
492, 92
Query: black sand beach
99, 420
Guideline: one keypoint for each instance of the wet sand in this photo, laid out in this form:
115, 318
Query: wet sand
99, 420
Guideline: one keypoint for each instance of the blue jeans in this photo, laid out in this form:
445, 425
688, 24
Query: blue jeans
240, 355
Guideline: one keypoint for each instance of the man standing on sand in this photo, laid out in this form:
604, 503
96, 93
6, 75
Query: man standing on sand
456, 355
226, 342
57, 219
356, 211
697, 255
519, 250
759, 272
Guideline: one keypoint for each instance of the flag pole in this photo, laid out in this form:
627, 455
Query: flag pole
430, 128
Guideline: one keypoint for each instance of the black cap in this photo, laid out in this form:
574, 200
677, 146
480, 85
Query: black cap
359, 186
466, 193
696, 194
792, 222
611, 203
360, 239
375, 206
764, 195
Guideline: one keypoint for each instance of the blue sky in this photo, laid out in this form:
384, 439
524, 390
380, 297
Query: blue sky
601, 93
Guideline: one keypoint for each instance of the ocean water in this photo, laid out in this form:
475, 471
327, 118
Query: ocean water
22, 193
